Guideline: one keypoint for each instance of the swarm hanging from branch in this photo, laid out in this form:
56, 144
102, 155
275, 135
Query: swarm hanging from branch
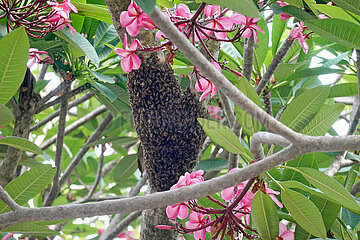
166, 122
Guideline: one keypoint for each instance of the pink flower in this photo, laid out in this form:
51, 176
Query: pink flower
130, 60
34, 57
62, 23
213, 111
248, 25
271, 193
179, 210
298, 33
283, 16
166, 227
63, 9
197, 220
188, 179
222, 23
229, 193
205, 86
245, 206
127, 236
101, 231
10, 235
134, 18
284, 233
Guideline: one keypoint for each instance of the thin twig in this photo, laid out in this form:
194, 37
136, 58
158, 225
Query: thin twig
55, 114
75, 125
228, 110
51, 94
59, 147
248, 57
285, 47
43, 71
98, 173
96, 134
8, 200
41, 107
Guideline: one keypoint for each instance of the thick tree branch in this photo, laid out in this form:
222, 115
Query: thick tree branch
151, 201
355, 189
75, 125
72, 104
248, 57
8, 200
258, 138
274, 64
96, 134
59, 147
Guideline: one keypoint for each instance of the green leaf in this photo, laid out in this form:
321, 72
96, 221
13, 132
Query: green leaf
297, 13
262, 47
336, 60
183, 70
80, 43
340, 31
306, 160
40, 85
331, 188
213, 164
125, 168
249, 124
334, 12
343, 90
245, 7
303, 108
13, 59
6, 115
264, 216
286, 69
350, 218
103, 77
93, 11
29, 229
28, 185
296, 3
323, 120
351, 177
147, 5
304, 212
221, 135
21, 143
351, 5
276, 33
104, 33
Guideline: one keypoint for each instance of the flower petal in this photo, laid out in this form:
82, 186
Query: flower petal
126, 64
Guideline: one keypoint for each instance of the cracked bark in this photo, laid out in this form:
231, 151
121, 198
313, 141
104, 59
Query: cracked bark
24, 113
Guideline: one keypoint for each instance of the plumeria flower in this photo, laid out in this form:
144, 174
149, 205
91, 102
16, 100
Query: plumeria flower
285, 234
248, 25
34, 57
213, 111
130, 60
179, 210
298, 33
197, 220
65, 22
272, 194
6, 237
245, 206
283, 16
222, 23
189, 179
134, 18
205, 86
228, 194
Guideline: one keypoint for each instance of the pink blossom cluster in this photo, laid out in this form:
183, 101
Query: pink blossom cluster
213, 24
35, 57
61, 12
283, 16
239, 199
298, 33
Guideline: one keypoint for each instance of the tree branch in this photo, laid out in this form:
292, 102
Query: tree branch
75, 125
41, 107
55, 114
285, 47
151, 201
51, 94
96, 134
43, 71
98, 173
8, 200
59, 147
248, 57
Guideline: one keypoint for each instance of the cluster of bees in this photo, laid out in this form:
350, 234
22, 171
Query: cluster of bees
165, 120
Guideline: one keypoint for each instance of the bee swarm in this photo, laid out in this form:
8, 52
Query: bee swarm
165, 120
